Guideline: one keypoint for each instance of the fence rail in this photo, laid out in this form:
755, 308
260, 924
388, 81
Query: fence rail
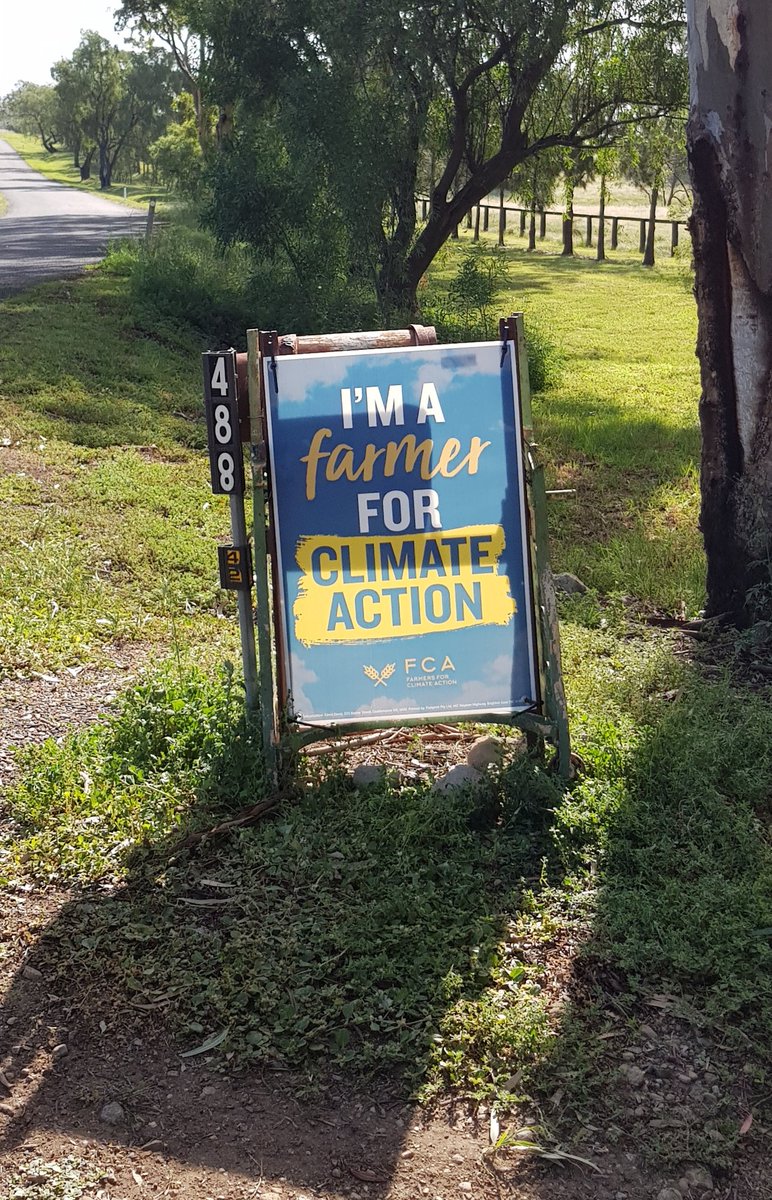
480, 213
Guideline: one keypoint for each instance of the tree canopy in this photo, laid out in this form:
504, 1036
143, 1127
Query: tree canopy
348, 94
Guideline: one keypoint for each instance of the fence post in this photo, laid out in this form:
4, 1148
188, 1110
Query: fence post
673, 238
424, 209
614, 232
502, 217
454, 234
486, 216
469, 219
532, 229
150, 219
642, 238
522, 221
588, 239
542, 225
477, 224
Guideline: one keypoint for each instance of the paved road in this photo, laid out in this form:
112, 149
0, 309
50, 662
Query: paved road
51, 230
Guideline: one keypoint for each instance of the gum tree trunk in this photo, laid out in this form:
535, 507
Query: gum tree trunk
651, 228
729, 144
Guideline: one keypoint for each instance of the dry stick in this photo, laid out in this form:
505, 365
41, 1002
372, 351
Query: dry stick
384, 735
245, 816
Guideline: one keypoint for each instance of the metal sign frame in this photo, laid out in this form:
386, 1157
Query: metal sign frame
549, 720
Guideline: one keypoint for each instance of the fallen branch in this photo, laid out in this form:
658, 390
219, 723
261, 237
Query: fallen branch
367, 739
245, 816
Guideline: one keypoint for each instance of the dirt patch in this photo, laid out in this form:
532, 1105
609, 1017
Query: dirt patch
49, 706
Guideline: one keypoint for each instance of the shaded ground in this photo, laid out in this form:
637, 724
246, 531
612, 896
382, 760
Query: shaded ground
189, 1127
182, 1128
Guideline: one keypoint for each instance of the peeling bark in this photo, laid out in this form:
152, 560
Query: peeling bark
729, 140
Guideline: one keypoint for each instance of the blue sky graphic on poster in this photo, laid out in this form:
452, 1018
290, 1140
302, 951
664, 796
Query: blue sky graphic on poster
399, 508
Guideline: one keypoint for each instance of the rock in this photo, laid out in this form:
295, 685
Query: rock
59, 1051
457, 777
112, 1113
485, 752
669, 1193
634, 1075
368, 775
457, 1158
31, 973
569, 584
465, 1186
699, 1180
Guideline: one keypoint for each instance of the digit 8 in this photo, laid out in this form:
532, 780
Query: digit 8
226, 468
223, 431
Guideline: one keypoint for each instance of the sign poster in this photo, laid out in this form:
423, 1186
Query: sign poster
399, 509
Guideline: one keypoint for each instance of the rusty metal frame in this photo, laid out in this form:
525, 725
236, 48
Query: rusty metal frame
281, 733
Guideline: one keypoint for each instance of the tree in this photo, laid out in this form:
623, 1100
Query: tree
645, 155
109, 93
177, 153
169, 23
355, 84
732, 237
31, 108
534, 184
578, 169
606, 162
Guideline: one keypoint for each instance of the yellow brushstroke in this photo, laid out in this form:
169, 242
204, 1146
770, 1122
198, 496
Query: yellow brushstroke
367, 588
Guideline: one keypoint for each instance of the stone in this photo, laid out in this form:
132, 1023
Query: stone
31, 973
112, 1113
669, 1193
699, 1180
634, 1075
485, 752
59, 1051
368, 775
465, 1186
457, 777
457, 1158
569, 584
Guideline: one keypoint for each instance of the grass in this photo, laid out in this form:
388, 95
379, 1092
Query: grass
391, 931
110, 524
621, 425
59, 167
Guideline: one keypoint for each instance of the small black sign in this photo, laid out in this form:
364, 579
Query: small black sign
235, 568
222, 423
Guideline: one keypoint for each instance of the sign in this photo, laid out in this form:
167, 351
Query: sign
235, 568
222, 423
402, 549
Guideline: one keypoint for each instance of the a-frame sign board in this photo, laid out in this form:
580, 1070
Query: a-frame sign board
400, 536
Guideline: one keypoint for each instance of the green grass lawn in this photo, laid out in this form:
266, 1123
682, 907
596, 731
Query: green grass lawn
395, 931
59, 167
110, 526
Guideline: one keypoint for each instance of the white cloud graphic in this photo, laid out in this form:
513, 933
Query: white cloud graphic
301, 677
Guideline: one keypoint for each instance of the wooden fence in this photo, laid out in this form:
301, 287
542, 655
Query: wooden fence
480, 215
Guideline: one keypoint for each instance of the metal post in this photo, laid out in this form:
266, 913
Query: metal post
262, 586
246, 628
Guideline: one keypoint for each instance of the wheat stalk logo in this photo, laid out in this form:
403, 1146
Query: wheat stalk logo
380, 676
